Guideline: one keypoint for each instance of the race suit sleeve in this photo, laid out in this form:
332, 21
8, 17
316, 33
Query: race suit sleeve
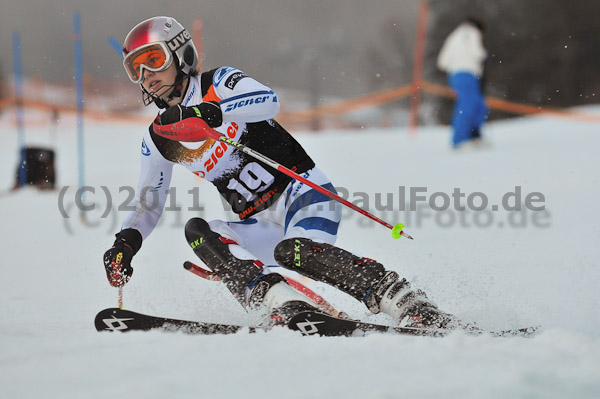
152, 191
243, 99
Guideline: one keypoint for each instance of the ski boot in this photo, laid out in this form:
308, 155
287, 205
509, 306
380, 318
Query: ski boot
410, 307
250, 282
364, 279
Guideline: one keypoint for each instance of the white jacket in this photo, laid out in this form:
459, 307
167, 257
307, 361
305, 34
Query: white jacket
243, 100
463, 51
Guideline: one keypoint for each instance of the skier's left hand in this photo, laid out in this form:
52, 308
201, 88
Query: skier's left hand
208, 111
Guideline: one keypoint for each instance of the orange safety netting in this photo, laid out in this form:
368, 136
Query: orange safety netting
365, 101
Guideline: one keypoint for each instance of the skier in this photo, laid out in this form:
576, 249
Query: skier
283, 222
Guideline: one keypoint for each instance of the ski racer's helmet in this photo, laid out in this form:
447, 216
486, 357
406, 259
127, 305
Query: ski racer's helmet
156, 42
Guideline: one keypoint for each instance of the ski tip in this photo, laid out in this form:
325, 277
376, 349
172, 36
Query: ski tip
526, 332
106, 314
187, 265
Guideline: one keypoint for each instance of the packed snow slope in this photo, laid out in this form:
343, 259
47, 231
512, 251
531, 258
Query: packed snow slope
501, 269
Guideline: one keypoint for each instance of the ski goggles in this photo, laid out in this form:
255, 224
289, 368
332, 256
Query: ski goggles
154, 57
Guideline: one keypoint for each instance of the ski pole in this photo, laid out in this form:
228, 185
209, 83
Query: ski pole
117, 267
120, 298
196, 129
298, 286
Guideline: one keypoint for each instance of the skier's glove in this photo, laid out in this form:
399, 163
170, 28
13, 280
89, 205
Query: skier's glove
117, 260
209, 111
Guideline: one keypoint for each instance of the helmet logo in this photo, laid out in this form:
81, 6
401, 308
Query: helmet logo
179, 40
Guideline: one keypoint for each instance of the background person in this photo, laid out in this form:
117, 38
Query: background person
462, 57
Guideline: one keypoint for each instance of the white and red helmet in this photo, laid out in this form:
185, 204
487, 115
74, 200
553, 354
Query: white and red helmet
154, 44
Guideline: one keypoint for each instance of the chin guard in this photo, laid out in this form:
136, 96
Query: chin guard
148, 98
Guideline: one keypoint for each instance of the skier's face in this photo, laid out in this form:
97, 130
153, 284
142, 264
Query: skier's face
160, 84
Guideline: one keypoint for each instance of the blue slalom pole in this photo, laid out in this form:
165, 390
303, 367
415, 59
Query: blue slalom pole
79, 95
116, 45
18, 71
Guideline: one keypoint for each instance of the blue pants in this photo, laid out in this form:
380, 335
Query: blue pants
470, 110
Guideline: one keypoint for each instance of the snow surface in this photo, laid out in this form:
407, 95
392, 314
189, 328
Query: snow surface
53, 282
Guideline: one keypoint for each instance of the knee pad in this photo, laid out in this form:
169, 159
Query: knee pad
329, 264
197, 229
237, 274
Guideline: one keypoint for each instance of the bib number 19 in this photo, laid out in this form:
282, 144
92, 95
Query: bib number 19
253, 179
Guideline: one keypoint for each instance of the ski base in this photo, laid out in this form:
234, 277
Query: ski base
307, 323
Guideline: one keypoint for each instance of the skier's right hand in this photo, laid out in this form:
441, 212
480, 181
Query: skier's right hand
117, 260
209, 111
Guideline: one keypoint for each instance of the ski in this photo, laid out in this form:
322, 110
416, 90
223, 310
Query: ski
116, 319
315, 323
298, 286
307, 323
